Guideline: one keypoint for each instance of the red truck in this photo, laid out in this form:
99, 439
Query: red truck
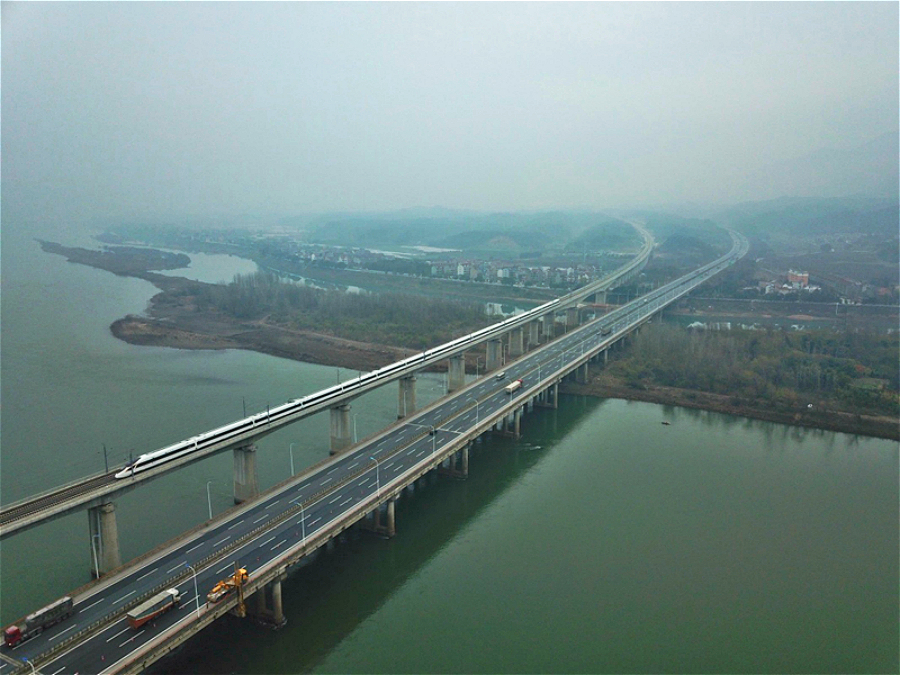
35, 623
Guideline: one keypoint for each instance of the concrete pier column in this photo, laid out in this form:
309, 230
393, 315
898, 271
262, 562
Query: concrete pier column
464, 468
391, 525
277, 607
515, 343
600, 297
534, 338
605, 356
340, 428
571, 318
494, 355
554, 395
105, 555
517, 423
246, 484
582, 374
259, 608
406, 402
456, 373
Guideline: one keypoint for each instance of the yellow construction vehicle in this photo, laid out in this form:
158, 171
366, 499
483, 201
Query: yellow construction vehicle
234, 582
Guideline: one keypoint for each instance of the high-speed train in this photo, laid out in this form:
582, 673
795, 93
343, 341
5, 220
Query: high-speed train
158, 457
230, 431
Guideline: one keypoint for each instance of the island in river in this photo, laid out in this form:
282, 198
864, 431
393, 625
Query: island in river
175, 319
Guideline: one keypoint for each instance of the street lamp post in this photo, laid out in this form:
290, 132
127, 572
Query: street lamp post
196, 592
94, 548
377, 478
25, 659
291, 450
476, 410
209, 499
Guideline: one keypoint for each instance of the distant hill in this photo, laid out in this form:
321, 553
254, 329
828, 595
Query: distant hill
490, 233
816, 216
870, 169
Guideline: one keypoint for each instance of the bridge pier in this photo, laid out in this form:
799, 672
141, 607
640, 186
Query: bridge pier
582, 373
515, 342
246, 483
534, 337
458, 463
571, 318
456, 373
494, 358
389, 527
340, 428
261, 611
406, 403
105, 553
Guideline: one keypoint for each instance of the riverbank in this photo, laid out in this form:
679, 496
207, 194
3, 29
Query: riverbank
174, 319
607, 386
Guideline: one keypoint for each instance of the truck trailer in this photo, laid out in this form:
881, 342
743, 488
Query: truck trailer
152, 608
512, 386
35, 623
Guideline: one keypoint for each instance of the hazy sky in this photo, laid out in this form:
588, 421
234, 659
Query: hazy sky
165, 109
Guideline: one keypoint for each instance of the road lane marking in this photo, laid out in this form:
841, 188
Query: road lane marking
195, 547
123, 597
221, 540
275, 503
344, 503
56, 637
316, 520
235, 525
263, 543
118, 634
56, 672
132, 638
327, 480
278, 544
92, 604
335, 499
260, 520
147, 574
355, 464
227, 567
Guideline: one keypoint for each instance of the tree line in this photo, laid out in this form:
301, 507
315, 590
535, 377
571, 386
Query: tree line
394, 319
847, 370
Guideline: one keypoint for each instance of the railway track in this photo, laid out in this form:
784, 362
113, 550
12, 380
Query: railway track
23, 509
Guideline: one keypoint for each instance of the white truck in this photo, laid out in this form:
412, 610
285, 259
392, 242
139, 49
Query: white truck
512, 386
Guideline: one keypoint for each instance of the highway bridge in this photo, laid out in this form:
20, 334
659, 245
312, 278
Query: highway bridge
358, 486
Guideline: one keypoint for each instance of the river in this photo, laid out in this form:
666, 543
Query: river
602, 541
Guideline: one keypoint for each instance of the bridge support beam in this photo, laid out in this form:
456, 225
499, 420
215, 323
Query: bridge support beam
494, 355
388, 528
456, 373
246, 483
261, 610
458, 463
105, 555
515, 343
534, 337
583, 373
406, 402
340, 428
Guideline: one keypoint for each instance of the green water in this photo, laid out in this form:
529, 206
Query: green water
602, 541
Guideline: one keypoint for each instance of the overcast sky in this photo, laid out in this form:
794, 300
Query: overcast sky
170, 109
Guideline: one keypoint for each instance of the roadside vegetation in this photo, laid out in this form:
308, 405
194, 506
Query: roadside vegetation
392, 319
850, 371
